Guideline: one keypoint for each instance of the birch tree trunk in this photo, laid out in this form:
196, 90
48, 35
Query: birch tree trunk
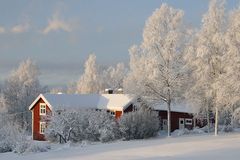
169, 118
216, 122
208, 119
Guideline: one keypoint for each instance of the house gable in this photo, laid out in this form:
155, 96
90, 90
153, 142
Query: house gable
41, 96
37, 119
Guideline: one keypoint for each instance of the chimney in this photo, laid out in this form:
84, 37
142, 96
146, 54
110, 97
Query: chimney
109, 91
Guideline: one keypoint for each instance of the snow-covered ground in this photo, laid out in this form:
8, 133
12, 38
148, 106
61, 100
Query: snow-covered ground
191, 147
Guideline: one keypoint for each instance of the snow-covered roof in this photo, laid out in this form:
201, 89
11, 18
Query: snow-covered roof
175, 108
115, 102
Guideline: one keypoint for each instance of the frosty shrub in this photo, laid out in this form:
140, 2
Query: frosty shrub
81, 125
140, 124
236, 117
38, 147
101, 127
226, 128
185, 131
22, 146
180, 132
12, 138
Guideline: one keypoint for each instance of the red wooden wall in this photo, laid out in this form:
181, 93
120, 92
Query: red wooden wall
175, 119
36, 120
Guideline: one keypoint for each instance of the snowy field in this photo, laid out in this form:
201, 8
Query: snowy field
198, 147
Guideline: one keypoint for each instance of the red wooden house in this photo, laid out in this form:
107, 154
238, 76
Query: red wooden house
45, 104
116, 104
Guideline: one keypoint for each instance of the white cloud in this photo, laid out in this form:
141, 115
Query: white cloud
2, 30
20, 28
56, 23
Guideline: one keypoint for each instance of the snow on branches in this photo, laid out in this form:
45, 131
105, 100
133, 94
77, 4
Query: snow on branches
156, 66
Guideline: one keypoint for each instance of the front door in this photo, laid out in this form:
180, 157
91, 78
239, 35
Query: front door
164, 125
181, 123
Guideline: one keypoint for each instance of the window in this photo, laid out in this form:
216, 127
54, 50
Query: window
188, 121
181, 121
42, 109
42, 127
112, 113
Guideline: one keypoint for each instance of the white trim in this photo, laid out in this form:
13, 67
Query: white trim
40, 109
127, 105
188, 119
32, 122
164, 124
37, 99
181, 125
40, 129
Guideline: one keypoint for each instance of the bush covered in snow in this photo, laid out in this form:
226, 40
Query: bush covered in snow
185, 131
180, 132
104, 127
15, 138
79, 125
226, 128
89, 125
140, 124
38, 147
12, 138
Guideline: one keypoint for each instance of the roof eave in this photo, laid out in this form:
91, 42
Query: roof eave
37, 99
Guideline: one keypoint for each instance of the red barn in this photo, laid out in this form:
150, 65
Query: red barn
45, 104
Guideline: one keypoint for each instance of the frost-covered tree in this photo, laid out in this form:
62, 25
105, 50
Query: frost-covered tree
20, 89
2, 104
140, 124
156, 65
205, 58
89, 80
96, 79
102, 127
113, 77
229, 84
13, 137
57, 90
79, 125
61, 126
71, 87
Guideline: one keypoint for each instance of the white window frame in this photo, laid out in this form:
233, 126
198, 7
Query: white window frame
164, 124
112, 113
42, 127
42, 109
188, 123
181, 125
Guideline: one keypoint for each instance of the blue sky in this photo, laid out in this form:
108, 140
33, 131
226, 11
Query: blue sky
59, 35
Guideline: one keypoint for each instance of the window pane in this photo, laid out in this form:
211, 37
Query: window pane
42, 109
